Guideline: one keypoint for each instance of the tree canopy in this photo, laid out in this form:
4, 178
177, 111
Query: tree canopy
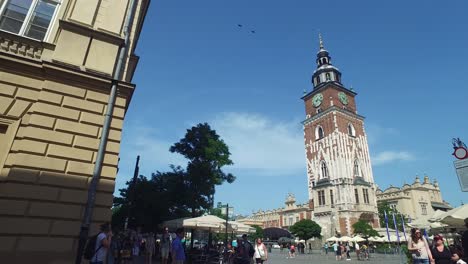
258, 233
385, 207
306, 229
364, 229
207, 154
178, 192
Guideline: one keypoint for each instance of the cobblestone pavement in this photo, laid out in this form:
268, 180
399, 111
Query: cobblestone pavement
277, 258
281, 258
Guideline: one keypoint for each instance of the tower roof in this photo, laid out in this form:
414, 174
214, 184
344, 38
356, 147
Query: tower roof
325, 71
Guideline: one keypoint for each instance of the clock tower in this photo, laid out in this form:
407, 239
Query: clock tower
340, 181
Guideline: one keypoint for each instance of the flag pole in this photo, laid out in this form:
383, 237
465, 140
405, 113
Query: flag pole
403, 223
386, 225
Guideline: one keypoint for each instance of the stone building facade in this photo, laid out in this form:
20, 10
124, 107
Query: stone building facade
419, 199
340, 180
57, 58
281, 217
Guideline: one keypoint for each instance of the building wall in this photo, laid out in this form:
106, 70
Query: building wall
339, 151
409, 199
53, 97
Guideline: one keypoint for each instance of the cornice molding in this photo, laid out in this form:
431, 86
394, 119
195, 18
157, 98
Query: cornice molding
330, 110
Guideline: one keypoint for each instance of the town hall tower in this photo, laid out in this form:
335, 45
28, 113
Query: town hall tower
340, 181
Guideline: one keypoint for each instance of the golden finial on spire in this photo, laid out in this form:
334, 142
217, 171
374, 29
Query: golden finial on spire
320, 41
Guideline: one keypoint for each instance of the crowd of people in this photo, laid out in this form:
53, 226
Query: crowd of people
128, 246
342, 250
437, 252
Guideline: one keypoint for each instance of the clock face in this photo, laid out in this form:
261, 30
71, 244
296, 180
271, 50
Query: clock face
343, 98
317, 99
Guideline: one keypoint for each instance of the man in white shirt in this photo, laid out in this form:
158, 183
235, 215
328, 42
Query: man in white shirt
357, 248
103, 242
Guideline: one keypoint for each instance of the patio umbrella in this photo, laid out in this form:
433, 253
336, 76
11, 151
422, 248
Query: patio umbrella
344, 239
376, 239
242, 228
428, 222
333, 238
455, 217
357, 239
208, 222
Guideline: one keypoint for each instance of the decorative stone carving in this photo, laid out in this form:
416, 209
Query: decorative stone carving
24, 49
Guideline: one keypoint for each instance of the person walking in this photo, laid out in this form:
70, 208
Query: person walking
177, 249
419, 248
348, 257
103, 242
165, 245
335, 249
292, 251
245, 251
440, 252
357, 249
150, 248
260, 254
326, 248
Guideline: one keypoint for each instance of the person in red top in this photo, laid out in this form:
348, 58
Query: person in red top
292, 251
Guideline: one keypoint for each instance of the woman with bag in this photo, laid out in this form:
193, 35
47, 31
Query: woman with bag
261, 254
419, 248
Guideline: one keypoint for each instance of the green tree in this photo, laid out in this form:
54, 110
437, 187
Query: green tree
385, 207
364, 229
179, 192
207, 154
258, 233
156, 200
306, 229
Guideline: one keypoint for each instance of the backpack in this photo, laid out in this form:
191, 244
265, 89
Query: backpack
90, 249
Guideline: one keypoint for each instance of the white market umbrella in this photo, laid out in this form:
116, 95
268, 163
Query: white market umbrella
376, 239
357, 239
455, 217
207, 222
428, 222
332, 239
344, 239
241, 228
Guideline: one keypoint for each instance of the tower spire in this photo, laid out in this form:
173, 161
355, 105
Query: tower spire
325, 71
321, 41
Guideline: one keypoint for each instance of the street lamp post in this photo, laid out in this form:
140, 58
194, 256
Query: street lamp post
227, 222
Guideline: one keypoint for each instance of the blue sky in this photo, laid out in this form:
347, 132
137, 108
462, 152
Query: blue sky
406, 59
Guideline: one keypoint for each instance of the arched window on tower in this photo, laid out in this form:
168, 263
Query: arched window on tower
351, 130
319, 133
337, 77
357, 171
324, 170
327, 76
318, 79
